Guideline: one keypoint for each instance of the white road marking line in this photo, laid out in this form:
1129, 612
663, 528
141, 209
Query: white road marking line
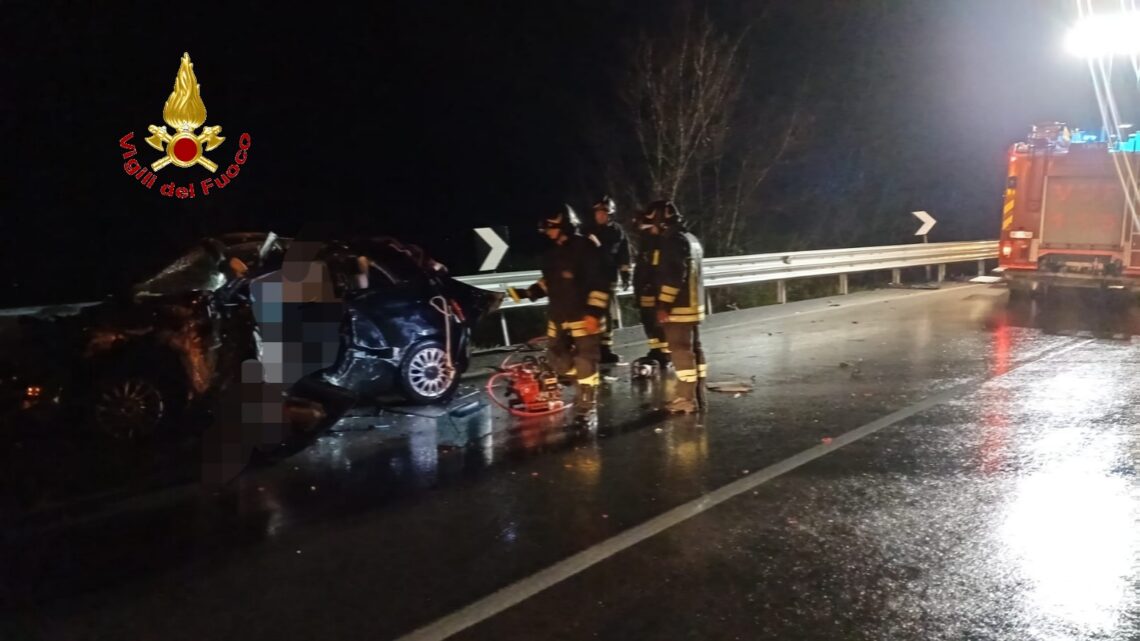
523, 589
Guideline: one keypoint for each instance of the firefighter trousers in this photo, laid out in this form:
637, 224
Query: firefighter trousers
575, 353
688, 357
654, 333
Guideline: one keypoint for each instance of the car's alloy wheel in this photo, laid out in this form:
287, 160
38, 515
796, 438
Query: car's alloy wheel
129, 408
429, 375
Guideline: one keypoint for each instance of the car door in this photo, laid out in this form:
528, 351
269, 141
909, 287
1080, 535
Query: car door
394, 307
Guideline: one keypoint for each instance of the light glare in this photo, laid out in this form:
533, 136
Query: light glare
1115, 34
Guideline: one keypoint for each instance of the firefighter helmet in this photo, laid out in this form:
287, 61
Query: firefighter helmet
662, 214
606, 204
564, 219
645, 219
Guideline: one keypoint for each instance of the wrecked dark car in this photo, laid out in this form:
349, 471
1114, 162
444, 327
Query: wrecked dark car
364, 317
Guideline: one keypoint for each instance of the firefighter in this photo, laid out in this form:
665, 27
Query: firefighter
573, 280
645, 286
680, 302
615, 249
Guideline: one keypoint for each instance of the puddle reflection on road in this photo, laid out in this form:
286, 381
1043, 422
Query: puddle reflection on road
1091, 313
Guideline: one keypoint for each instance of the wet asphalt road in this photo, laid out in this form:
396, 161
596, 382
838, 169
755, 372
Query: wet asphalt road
997, 500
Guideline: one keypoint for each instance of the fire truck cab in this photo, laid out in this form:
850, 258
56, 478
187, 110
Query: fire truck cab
1066, 220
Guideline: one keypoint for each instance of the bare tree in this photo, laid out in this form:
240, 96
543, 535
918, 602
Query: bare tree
746, 153
683, 96
680, 89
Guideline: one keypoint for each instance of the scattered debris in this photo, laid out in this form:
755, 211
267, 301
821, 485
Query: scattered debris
730, 387
826, 440
312, 488
737, 395
844, 365
610, 379
657, 430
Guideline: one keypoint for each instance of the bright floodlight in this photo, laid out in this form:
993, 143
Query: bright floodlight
1109, 34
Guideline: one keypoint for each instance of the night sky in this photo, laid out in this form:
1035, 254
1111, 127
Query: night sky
425, 119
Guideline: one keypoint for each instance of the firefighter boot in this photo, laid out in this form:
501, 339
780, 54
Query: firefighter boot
586, 405
684, 402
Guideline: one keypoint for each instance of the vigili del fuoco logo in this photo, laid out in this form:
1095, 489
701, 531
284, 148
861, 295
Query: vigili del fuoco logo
185, 112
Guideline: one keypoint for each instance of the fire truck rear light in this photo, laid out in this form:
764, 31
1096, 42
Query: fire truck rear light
1021, 234
1006, 250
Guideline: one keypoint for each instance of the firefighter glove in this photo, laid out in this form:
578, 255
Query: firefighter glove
517, 294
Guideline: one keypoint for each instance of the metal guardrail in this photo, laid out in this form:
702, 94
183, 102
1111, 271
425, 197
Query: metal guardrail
782, 267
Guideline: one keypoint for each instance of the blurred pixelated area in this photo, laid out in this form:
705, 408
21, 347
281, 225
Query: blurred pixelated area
299, 317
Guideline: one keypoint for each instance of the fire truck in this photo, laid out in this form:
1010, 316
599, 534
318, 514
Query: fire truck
1066, 219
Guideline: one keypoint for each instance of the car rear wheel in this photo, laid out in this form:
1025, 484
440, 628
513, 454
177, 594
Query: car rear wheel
425, 375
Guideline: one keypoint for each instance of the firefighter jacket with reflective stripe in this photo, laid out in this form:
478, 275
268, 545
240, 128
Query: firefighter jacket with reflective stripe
681, 290
614, 247
573, 279
645, 273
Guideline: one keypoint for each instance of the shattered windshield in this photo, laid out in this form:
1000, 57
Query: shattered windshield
197, 270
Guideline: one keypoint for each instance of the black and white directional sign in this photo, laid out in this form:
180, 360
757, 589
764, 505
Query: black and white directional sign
928, 222
498, 248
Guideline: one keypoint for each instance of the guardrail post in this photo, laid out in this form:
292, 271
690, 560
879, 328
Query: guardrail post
941, 273
982, 267
896, 277
617, 310
843, 283
506, 333
708, 302
782, 292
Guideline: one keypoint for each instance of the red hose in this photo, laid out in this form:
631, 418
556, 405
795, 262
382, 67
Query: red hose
513, 411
